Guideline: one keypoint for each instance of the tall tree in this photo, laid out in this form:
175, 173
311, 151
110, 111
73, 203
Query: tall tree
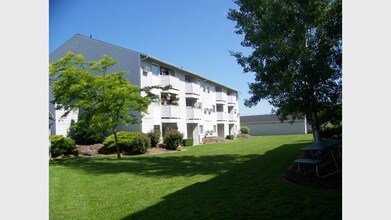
296, 57
106, 100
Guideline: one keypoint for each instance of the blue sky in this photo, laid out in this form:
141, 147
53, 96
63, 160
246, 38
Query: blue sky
193, 34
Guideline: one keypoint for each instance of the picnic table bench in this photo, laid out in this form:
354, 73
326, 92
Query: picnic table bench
317, 151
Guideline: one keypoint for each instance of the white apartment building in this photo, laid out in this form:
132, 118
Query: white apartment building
195, 106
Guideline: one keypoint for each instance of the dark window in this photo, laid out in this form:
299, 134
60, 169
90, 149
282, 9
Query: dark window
156, 128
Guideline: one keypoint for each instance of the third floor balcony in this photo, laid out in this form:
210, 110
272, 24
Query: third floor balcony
231, 100
193, 90
221, 97
169, 80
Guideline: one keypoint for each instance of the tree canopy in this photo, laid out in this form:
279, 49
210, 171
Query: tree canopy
296, 56
106, 100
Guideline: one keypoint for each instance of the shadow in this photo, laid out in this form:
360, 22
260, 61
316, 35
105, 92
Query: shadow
253, 189
178, 165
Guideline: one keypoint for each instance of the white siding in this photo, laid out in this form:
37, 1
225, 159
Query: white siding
272, 128
130, 62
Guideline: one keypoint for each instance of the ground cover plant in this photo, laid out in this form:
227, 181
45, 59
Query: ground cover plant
239, 179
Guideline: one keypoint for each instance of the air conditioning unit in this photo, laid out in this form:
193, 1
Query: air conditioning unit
146, 69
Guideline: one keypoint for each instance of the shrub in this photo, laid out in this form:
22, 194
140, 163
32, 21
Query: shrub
188, 142
154, 136
125, 142
141, 143
81, 135
230, 137
244, 130
172, 140
60, 145
331, 132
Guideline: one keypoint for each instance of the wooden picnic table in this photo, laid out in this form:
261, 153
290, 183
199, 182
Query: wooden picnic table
318, 151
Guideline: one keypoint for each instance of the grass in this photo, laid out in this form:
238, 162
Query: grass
236, 180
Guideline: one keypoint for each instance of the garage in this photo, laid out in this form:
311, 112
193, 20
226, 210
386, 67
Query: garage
271, 125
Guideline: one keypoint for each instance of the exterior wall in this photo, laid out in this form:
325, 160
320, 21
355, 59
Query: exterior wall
91, 49
136, 73
208, 99
274, 128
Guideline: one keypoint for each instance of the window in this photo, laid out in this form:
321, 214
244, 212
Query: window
155, 69
203, 88
208, 89
214, 108
201, 129
166, 71
156, 128
189, 103
214, 128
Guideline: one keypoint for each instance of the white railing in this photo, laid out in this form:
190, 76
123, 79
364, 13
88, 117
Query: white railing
221, 96
193, 88
170, 111
221, 116
232, 117
232, 99
193, 113
169, 80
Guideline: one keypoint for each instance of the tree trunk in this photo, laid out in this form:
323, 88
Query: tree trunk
116, 144
315, 126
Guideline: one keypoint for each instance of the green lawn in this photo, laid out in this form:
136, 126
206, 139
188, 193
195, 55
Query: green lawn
236, 180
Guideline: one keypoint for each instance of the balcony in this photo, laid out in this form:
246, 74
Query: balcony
221, 116
170, 80
232, 117
170, 113
193, 114
221, 97
193, 90
231, 100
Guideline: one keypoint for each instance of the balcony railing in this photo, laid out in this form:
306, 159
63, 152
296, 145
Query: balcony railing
221, 96
232, 117
193, 88
193, 113
221, 116
170, 80
231, 99
170, 111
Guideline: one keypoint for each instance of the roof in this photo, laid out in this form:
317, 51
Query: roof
161, 61
262, 118
186, 71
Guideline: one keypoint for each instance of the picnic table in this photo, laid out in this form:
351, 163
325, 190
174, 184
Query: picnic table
320, 152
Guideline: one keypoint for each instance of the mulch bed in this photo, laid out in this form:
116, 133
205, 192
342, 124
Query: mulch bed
92, 150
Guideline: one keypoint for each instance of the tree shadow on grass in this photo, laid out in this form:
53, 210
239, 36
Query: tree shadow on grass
246, 186
157, 166
253, 189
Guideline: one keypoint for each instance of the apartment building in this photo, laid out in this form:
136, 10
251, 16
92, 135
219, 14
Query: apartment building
195, 106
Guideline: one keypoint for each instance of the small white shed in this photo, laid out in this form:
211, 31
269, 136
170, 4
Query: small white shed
271, 125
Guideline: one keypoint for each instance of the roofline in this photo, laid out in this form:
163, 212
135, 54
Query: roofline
187, 71
153, 58
263, 122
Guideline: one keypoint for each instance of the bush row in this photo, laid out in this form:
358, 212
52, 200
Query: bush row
128, 142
